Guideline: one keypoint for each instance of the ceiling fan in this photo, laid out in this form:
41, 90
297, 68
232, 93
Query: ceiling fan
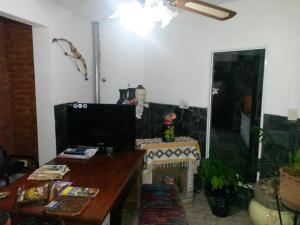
198, 6
203, 8
140, 16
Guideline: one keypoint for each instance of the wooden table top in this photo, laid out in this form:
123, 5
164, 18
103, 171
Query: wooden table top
108, 173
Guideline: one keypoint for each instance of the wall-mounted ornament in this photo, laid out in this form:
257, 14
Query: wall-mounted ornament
73, 55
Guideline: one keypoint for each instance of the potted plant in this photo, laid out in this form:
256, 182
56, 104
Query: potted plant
220, 183
168, 128
263, 208
289, 185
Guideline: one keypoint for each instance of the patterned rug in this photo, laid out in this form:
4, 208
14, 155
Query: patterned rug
160, 196
162, 217
161, 205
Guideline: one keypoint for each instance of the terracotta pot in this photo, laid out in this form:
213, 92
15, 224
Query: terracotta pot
260, 215
289, 187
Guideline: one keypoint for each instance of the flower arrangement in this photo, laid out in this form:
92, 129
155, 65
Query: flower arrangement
168, 132
169, 118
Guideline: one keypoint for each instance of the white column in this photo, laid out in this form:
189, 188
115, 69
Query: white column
190, 180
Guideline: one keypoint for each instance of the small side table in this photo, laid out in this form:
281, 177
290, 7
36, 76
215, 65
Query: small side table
183, 152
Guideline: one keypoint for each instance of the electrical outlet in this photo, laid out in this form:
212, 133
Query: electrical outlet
292, 114
184, 104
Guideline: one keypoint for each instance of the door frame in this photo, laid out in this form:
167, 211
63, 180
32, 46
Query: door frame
209, 107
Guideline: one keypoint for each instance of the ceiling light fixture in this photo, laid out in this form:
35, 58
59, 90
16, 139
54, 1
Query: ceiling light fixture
141, 19
141, 16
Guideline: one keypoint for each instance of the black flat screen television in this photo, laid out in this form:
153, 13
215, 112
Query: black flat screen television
97, 124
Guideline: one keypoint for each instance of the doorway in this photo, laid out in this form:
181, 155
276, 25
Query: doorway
236, 98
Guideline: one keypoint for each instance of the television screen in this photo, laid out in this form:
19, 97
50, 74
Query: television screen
93, 124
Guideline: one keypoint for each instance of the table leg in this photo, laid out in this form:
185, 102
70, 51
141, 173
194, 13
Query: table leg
116, 212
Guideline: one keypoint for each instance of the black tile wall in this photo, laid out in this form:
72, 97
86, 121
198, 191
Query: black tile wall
283, 131
286, 134
190, 122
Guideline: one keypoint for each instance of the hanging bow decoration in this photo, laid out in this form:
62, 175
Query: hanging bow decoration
74, 55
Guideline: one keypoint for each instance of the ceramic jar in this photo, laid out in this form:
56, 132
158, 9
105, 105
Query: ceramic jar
123, 96
260, 215
140, 94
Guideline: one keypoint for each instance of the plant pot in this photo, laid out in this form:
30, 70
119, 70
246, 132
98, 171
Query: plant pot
260, 215
220, 206
264, 192
220, 200
289, 187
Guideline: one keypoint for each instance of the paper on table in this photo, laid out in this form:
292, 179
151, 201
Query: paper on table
89, 152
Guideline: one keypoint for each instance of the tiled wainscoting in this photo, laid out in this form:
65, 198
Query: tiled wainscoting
285, 133
190, 122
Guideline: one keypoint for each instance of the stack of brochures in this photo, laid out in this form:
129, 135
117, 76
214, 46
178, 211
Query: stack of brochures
71, 201
61, 185
49, 172
38, 194
78, 153
80, 192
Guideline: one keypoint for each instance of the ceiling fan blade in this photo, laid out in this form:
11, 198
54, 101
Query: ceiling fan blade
204, 8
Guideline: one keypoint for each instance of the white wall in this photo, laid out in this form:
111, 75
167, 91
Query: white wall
57, 80
178, 58
122, 60
173, 63
176, 61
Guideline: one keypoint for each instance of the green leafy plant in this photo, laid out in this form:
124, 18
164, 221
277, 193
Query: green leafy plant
294, 163
218, 172
169, 133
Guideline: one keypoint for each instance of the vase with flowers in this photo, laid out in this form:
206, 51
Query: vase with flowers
168, 128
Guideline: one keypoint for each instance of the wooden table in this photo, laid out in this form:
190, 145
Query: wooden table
113, 175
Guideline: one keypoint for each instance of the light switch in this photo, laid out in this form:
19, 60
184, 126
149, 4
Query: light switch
292, 114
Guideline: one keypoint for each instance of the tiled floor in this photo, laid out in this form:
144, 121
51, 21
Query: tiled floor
198, 213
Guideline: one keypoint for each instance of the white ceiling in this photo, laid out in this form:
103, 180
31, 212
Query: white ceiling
99, 9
